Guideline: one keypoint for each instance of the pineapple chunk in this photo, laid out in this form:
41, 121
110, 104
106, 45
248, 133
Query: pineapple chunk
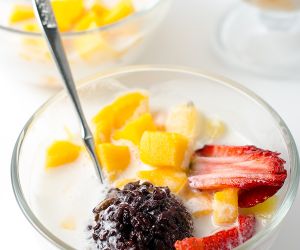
163, 149
214, 128
121, 10
174, 179
67, 12
113, 158
60, 153
225, 206
134, 130
21, 12
264, 209
115, 115
185, 120
198, 203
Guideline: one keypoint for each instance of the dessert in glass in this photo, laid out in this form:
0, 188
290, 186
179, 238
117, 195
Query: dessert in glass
96, 35
181, 168
262, 36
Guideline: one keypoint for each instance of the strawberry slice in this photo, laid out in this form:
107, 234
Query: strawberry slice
222, 240
258, 173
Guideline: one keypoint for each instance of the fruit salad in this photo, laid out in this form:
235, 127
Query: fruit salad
169, 185
96, 34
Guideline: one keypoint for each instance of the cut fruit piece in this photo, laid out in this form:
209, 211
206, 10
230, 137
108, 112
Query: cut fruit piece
86, 22
99, 8
198, 203
225, 206
258, 173
214, 128
113, 158
61, 152
265, 209
185, 120
134, 129
67, 12
121, 10
163, 177
123, 109
222, 240
21, 12
31, 27
163, 149
129, 106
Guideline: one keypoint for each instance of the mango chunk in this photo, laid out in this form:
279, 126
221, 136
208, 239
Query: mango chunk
265, 209
225, 206
61, 152
86, 22
67, 12
99, 8
21, 12
163, 149
115, 115
185, 120
121, 10
174, 179
134, 129
113, 158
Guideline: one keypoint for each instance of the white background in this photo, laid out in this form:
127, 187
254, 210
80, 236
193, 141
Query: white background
183, 39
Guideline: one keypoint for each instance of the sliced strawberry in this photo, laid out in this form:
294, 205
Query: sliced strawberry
222, 240
258, 173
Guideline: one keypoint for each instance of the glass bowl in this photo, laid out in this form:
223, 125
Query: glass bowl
242, 110
262, 36
88, 51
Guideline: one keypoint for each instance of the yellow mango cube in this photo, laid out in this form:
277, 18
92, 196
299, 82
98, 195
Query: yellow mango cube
86, 22
163, 149
174, 179
125, 108
61, 152
114, 159
67, 12
121, 10
134, 129
225, 206
99, 8
265, 209
21, 12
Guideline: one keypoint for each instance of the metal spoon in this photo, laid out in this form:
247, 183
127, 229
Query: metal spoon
46, 18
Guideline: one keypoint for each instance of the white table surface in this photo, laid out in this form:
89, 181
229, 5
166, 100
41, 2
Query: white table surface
183, 39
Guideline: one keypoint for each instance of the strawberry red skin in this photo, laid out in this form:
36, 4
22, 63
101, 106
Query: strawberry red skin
258, 173
222, 240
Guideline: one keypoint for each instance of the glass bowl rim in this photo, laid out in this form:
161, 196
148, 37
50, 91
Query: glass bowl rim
71, 34
285, 132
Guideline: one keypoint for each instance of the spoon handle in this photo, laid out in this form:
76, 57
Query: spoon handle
48, 23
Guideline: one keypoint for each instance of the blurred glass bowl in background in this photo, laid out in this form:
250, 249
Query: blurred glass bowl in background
88, 51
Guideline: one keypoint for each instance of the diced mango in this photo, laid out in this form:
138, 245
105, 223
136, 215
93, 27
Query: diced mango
21, 12
185, 120
134, 129
67, 12
115, 115
121, 10
225, 206
129, 106
265, 209
174, 179
163, 149
86, 22
60, 153
214, 128
113, 158
100, 9
121, 183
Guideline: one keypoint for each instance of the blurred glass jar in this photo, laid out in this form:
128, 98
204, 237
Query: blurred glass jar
262, 36
88, 51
